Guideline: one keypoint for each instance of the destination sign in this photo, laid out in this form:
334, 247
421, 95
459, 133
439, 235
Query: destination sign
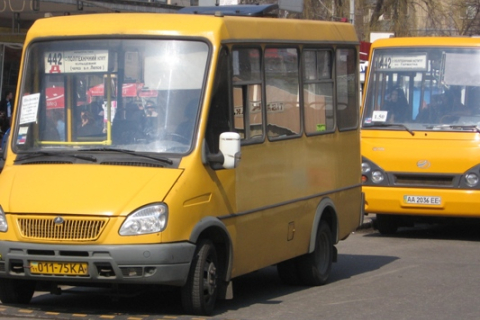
79, 61
413, 62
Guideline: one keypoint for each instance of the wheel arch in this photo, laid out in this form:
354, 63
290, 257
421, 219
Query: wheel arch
325, 212
213, 229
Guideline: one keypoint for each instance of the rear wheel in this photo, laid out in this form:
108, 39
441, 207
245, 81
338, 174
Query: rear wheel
16, 290
200, 292
314, 268
386, 224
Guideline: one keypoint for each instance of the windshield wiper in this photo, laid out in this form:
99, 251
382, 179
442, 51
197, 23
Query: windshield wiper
376, 124
130, 152
27, 156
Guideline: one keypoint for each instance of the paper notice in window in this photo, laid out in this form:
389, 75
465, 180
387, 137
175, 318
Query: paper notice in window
379, 116
29, 108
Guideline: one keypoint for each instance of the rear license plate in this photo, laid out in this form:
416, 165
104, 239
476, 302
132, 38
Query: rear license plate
59, 268
427, 200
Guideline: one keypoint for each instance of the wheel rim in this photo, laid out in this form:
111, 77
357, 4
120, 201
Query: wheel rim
209, 280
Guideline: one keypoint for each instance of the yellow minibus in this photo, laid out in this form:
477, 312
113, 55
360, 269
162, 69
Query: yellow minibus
420, 131
179, 150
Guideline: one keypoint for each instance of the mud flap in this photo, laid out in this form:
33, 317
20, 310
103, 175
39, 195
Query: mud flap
225, 291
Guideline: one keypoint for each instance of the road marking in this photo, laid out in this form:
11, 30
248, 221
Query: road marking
25, 311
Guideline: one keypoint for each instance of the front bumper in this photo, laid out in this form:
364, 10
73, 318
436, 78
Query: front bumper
164, 264
391, 200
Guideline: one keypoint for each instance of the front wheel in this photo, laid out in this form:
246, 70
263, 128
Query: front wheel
200, 292
314, 268
16, 291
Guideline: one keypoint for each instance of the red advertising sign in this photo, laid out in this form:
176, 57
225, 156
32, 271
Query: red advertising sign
55, 97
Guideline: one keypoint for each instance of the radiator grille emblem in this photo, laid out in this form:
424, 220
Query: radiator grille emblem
58, 220
423, 164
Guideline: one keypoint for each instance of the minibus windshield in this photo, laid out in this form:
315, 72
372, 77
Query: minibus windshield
424, 88
135, 95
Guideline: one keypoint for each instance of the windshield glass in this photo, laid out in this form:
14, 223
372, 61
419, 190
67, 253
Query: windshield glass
424, 89
138, 95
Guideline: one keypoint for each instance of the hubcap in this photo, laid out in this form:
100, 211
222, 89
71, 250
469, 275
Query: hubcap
210, 278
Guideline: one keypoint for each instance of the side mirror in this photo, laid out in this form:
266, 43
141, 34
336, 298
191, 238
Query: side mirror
230, 148
229, 154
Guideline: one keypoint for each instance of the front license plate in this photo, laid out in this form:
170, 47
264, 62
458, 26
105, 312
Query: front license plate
59, 268
428, 200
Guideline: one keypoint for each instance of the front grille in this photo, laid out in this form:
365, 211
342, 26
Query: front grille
44, 228
423, 180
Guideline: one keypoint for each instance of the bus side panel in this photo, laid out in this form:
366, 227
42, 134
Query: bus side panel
348, 201
348, 205
279, 187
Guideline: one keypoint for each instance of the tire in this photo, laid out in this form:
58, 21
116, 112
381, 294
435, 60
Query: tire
16, 291
386, 224
201, 290
314, 268
288, 273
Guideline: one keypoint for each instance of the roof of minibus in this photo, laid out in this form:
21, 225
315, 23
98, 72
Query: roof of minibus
425, 42
214, 28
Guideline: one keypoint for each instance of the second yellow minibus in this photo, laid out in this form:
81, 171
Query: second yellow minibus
179, 150
420, 131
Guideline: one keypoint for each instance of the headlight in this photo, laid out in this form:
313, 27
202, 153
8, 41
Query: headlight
3, 221
365, 168
377, 176
471, 179
146, 220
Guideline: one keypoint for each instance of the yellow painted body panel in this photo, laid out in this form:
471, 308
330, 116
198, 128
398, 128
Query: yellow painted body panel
425, 42
224, 28
398, 151
105, 190
84, 190
296, 168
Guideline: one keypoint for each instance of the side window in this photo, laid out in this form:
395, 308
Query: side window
347, 89
247, 93
282, 92
218, 117
318, 91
